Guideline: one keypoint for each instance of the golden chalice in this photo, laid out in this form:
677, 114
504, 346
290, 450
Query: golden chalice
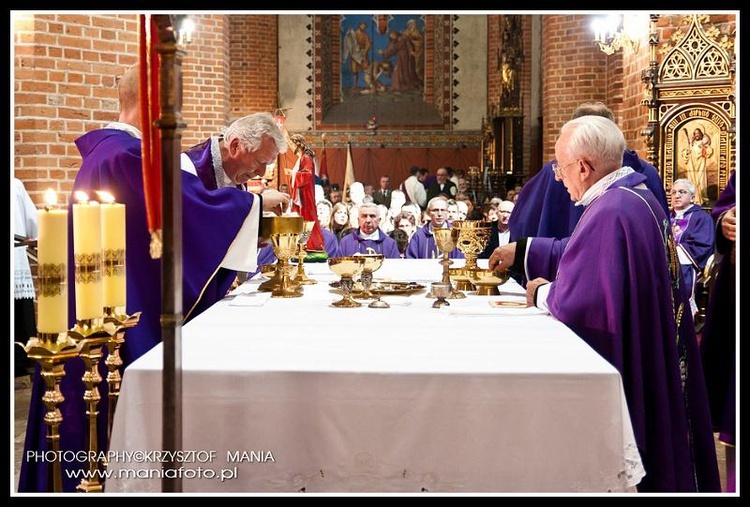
446, 240
283, 231
373, 262
487, 281
347, 268
472, 239
301, 277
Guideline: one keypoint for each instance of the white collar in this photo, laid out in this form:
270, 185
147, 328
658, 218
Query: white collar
374, 236
602, 185
126, 127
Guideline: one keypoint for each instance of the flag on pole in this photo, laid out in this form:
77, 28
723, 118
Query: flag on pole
148, 66
349, 175
322, 169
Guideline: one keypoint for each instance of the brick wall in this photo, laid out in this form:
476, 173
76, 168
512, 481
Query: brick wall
253, 64
65, 69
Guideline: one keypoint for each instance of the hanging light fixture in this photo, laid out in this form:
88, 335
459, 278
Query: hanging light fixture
611, 35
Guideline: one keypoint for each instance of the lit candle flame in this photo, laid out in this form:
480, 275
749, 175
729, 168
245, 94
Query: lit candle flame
105, 196
50, 197
81, 196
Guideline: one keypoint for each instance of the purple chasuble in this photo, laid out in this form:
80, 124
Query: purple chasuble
331, 243
200, 155
210, 222
353, 243
719, 337
694, 234
615, 290
544, 208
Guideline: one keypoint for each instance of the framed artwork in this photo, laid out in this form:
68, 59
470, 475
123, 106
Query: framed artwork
380, 70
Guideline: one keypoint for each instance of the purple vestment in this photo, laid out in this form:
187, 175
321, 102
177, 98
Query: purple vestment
694, 236
544, 208
719, 340
422, 246
210, 222
353, 243
200, 154
331, 243
614, 289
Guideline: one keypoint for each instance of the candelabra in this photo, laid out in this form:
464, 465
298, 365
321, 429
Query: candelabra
91, 335
122, 322
51, 351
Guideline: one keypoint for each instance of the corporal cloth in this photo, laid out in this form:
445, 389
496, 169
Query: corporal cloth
635, 329
212, 225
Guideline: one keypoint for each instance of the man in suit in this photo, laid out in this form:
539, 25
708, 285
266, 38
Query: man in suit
442, 185
383, 194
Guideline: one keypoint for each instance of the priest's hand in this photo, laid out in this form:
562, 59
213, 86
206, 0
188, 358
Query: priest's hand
531, 288
729, 224
275, 201
502, 257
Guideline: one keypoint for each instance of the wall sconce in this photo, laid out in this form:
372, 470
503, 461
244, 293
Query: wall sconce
185, 29
611, 35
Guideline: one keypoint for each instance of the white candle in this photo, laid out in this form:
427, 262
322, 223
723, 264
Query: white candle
52, 255
113, 251
87, 251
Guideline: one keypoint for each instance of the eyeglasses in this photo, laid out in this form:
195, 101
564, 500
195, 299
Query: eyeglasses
678, 192
556, 168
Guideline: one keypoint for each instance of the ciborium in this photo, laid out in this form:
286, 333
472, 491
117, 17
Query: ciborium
373, 262
446, 240
487, 282
472, 239
284, 232
347, 268
301, 277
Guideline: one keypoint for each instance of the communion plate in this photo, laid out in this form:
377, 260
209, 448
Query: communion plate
384, 288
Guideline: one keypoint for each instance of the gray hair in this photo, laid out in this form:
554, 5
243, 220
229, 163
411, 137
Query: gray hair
251, 129
597, 140
688, 184
593, 109
372, 205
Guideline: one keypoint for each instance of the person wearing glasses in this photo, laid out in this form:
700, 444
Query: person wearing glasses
543, 207
614, 286
693, 231
422, 243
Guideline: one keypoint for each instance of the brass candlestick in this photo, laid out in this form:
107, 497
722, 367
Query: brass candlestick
301, 277
91, 335
446, 240
51, 351
284, 232
122, 322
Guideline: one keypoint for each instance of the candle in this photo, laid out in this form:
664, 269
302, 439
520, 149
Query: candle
87, 252
113, 250
52, 255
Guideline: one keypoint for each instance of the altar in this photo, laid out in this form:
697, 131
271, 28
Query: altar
284, 395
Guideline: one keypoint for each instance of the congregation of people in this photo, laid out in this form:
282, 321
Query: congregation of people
588, 236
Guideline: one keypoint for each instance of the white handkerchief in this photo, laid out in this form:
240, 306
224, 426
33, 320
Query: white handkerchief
250, 299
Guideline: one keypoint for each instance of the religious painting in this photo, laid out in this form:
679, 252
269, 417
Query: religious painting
383, 54
697, 149
379, 70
